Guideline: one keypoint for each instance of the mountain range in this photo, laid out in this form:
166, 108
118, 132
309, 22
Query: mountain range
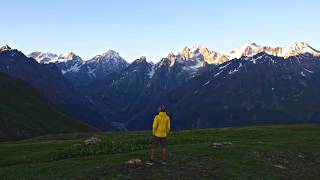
81, 72
202, 88
51, 83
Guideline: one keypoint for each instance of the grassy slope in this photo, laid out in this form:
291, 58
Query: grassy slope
254, 154
24, 113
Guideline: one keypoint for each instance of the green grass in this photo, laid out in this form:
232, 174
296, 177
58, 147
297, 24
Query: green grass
253, 155
25, 113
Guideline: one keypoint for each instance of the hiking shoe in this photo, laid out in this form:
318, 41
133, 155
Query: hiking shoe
150, 163
163, 162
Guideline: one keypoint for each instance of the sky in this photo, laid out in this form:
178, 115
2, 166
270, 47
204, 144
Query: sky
153, 28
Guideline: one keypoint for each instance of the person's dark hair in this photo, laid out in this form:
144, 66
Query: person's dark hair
162, 108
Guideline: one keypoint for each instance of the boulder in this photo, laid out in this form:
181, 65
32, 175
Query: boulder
216, 145
227, 143
220, 145
92, 141
279, 166
134, 162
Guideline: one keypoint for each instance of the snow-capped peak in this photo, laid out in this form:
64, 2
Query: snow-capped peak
248, 49
251, 49
43, 57
46, 58
199, 53
70, 56
107, 56
110, 54
298, 48
107, 62
190, 53
5, 48
143, 58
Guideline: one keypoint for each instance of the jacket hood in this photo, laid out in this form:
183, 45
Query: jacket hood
162, 114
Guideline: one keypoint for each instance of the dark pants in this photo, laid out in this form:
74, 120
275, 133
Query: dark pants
156, 140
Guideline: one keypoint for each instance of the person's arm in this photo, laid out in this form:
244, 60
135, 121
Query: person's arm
168, 125
154, 125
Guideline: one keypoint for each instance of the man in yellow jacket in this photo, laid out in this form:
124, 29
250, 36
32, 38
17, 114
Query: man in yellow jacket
160, 130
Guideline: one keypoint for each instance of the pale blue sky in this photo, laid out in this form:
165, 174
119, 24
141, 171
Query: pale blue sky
155, 27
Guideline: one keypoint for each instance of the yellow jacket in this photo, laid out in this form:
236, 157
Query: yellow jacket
161, 125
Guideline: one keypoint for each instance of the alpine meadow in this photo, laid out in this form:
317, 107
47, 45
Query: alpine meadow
159, 89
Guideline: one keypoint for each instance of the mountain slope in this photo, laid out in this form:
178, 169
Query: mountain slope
125, 93
121, 94
24, 113
128, 93
49, 81
250, 90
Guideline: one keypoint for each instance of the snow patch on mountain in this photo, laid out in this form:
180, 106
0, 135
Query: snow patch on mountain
309, 71
46, 58
254, 60
233, 71
218, 73
251, 49
74, 68
91, 73
248, 49
206, 83
152, 71
224, 66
